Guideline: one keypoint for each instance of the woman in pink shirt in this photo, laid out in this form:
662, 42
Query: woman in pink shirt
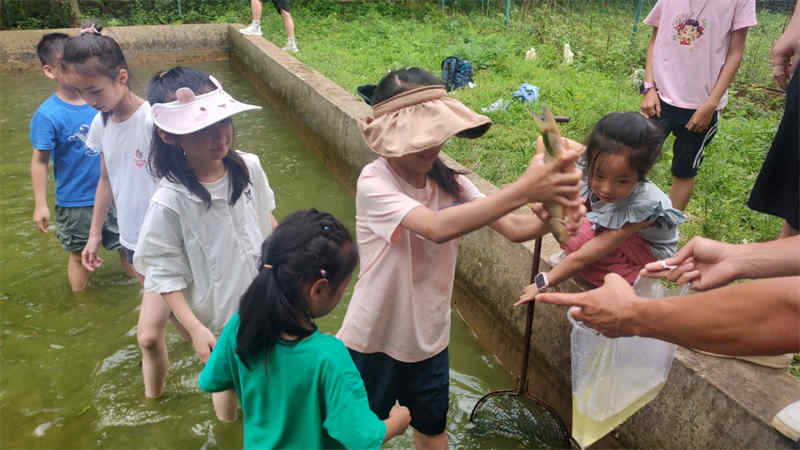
410, 210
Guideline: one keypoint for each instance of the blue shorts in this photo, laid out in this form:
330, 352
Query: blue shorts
423, 387
687, 152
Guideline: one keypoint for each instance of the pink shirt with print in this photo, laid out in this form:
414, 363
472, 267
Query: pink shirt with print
401, 302
691, 46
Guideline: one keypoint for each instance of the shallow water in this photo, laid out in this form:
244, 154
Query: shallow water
69, 363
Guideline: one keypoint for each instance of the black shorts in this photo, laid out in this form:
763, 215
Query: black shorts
423, 387
687, 152
777, 188
280, 5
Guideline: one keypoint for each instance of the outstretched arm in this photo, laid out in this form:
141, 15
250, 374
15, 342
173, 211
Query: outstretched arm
754, 318
556, 181
708, 264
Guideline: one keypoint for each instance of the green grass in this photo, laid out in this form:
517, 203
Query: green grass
354, 44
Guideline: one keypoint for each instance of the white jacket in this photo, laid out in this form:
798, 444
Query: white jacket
212, 254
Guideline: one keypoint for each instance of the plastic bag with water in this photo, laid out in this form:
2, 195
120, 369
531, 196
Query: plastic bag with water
614, 378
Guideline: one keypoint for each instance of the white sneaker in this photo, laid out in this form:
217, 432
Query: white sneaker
252, 29
290, 47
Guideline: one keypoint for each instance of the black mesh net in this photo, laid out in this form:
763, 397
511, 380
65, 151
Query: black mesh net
522, 418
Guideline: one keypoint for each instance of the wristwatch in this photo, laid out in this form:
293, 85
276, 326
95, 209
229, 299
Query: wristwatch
541, 280
646, 87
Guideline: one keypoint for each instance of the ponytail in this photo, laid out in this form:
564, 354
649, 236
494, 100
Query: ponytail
308, 245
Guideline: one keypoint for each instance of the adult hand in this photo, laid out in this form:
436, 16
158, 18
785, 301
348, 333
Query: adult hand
705, 263
556, 181
89, 256
41, 217
785, 56
608, 309
701, 118
650, 105
203, 342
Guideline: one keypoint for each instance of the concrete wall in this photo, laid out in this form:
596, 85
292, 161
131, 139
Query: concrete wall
141, 45
707, 402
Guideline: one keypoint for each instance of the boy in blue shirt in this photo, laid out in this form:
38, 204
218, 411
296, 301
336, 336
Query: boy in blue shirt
59, 127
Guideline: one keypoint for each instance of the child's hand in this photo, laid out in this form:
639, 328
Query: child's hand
203, 342
651, 104
556, 181
528, 295
574, 220
89, 257
41, 217
402, 415
701, 118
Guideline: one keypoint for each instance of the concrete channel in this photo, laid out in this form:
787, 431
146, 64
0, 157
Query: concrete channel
707, 402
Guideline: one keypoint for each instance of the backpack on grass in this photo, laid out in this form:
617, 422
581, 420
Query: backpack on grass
456, 72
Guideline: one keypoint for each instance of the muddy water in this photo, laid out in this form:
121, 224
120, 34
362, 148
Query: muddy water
69, 363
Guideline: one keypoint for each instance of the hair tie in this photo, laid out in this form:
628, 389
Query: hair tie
323, 273
325, 228
268, 266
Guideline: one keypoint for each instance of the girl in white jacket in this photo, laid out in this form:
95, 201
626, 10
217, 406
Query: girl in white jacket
200, 240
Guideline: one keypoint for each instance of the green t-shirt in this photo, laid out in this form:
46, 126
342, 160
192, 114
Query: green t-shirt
310, 396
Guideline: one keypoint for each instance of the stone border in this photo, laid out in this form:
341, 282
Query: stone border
707, 403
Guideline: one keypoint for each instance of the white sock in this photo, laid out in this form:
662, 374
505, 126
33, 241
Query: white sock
291, 41
257, 22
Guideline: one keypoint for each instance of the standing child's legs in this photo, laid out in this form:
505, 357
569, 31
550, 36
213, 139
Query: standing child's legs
77, 274
255, 6
283, 8
255, 26
151, 335
288, 23
225, 404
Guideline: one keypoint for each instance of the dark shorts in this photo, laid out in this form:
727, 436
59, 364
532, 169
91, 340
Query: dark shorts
687, 152
777, 188
280, 5
73, 223
423, 387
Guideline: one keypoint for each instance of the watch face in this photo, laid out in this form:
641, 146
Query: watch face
541, 282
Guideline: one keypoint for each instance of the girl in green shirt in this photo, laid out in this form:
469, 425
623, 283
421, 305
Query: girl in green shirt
298, 388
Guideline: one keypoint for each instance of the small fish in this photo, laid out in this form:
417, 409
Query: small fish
555, 147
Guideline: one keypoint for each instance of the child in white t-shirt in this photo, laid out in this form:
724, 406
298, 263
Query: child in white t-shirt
410, 210
95, 66
694, 53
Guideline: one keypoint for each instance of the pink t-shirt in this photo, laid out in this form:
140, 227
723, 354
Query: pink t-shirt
691, 46
401, 302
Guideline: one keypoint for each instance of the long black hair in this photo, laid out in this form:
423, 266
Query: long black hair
306, 246
169, 161
401, 80
91, 53
628, 133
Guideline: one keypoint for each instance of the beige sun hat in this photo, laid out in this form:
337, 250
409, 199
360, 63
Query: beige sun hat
417, 120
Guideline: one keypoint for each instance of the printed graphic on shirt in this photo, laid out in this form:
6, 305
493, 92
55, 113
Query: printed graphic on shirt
139, 158
688, 30
82, 135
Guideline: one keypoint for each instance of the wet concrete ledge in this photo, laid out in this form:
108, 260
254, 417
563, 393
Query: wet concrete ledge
707, 402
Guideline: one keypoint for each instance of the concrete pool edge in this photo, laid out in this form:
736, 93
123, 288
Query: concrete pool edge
708, 402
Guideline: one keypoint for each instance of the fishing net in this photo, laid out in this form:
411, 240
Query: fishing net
519, 417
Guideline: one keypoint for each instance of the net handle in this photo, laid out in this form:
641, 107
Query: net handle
523, 378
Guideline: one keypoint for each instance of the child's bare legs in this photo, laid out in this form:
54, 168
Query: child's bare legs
77, 274
225, 404
288, 23
787, 231
151, 335
681, 192
428, 442
255, 6
127, 267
